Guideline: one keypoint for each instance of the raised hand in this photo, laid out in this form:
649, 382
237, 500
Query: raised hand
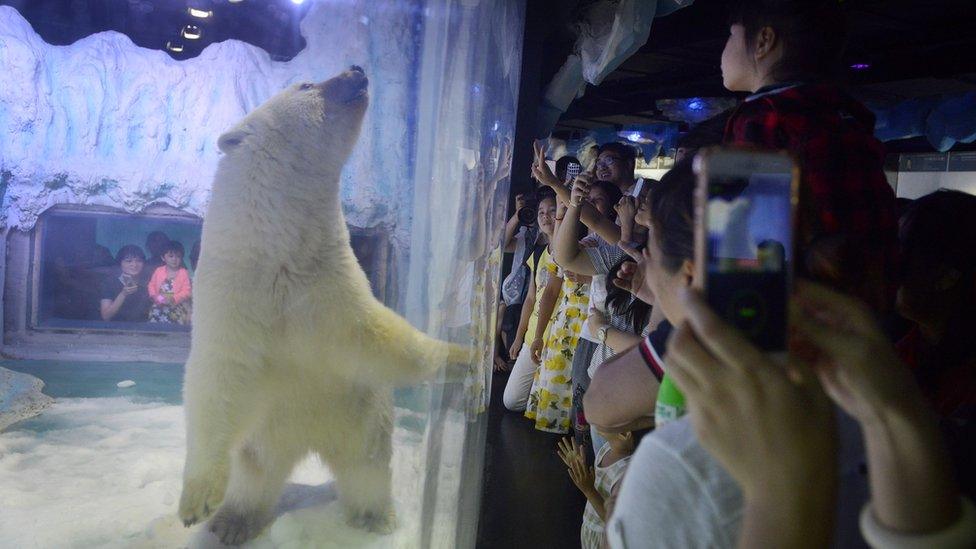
857, 366
626, 208
631, 275
572, 455
581, 188
540, 170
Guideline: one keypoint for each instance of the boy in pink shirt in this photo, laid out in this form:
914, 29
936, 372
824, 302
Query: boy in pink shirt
169, 288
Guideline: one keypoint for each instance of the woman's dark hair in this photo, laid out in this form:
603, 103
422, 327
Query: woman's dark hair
562, 165
174, 246
941, 229
813, 34
620, 302
613, 193
127, 251
672, 212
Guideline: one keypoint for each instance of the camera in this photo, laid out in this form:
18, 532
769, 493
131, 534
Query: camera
529, 212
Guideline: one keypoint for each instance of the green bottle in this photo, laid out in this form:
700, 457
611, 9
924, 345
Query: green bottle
670, 402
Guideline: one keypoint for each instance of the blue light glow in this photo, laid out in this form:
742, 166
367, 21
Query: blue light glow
861, 66
696, 104
634, 137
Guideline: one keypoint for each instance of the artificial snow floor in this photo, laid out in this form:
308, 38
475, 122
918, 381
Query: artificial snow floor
106, 472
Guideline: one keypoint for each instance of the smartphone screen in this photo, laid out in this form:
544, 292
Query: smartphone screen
572, 170
748, 241
638, 187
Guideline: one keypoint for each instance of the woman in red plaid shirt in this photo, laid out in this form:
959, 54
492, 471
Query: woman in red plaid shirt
784, 52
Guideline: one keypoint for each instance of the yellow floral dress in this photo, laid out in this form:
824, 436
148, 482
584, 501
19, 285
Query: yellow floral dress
551, 397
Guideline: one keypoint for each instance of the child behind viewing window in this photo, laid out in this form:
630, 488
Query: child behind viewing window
597, 482
169, 288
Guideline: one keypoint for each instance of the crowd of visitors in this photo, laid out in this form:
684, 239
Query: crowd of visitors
684, 433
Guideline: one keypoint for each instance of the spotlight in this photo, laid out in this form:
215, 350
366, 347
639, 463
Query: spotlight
200, 14
192, 32
696, 104
297, 2
636, 136
861, 66
175, 47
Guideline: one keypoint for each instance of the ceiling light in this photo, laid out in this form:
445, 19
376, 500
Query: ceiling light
200, 14
861, 66
235, 1
175, 47
297, 2
192, 32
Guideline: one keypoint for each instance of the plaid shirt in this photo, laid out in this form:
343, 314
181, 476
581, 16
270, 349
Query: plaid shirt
847, 223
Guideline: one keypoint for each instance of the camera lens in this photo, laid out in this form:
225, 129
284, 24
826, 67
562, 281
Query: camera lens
527, 215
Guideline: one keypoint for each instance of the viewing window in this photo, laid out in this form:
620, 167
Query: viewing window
103, 270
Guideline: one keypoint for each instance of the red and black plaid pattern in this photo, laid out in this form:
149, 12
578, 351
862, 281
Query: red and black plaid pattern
846, 215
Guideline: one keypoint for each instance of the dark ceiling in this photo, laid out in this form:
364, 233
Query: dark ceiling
913, 48
272, 25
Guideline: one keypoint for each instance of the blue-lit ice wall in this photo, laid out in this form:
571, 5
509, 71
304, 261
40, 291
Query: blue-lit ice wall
103, 121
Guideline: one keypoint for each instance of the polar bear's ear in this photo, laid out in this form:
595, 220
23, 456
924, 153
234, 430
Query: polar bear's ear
231, 139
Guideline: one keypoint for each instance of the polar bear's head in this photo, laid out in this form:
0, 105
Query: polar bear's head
307, 128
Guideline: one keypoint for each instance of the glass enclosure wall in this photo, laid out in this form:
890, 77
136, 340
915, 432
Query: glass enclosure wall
108, 156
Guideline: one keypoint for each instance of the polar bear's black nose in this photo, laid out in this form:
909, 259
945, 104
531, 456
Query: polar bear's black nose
357, 68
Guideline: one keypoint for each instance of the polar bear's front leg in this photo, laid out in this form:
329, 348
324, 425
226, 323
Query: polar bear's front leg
216, 416
390, 351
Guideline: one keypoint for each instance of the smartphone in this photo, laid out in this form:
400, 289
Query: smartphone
638, 187
745, 210
572, 170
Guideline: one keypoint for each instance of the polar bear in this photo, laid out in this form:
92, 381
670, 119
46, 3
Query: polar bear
290, 352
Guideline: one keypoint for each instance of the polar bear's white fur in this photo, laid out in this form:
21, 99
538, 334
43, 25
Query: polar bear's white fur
291, 352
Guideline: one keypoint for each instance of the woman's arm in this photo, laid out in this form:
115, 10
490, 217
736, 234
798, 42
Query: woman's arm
622, 395
511, 228
565, 246
110, 307
912, 490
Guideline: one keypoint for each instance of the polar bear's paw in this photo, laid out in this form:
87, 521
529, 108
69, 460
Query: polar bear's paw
201, 496
378, 522
234, 527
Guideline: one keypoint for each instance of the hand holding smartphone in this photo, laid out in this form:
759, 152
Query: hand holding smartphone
744, 239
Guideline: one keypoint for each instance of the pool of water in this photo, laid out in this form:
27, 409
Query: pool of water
102, 467
154, 382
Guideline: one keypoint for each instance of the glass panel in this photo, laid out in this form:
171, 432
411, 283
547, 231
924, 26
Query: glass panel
111, 152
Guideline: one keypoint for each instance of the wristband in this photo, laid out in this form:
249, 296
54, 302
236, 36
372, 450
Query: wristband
960, 534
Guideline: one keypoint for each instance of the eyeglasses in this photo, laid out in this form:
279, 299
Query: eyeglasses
607, 161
